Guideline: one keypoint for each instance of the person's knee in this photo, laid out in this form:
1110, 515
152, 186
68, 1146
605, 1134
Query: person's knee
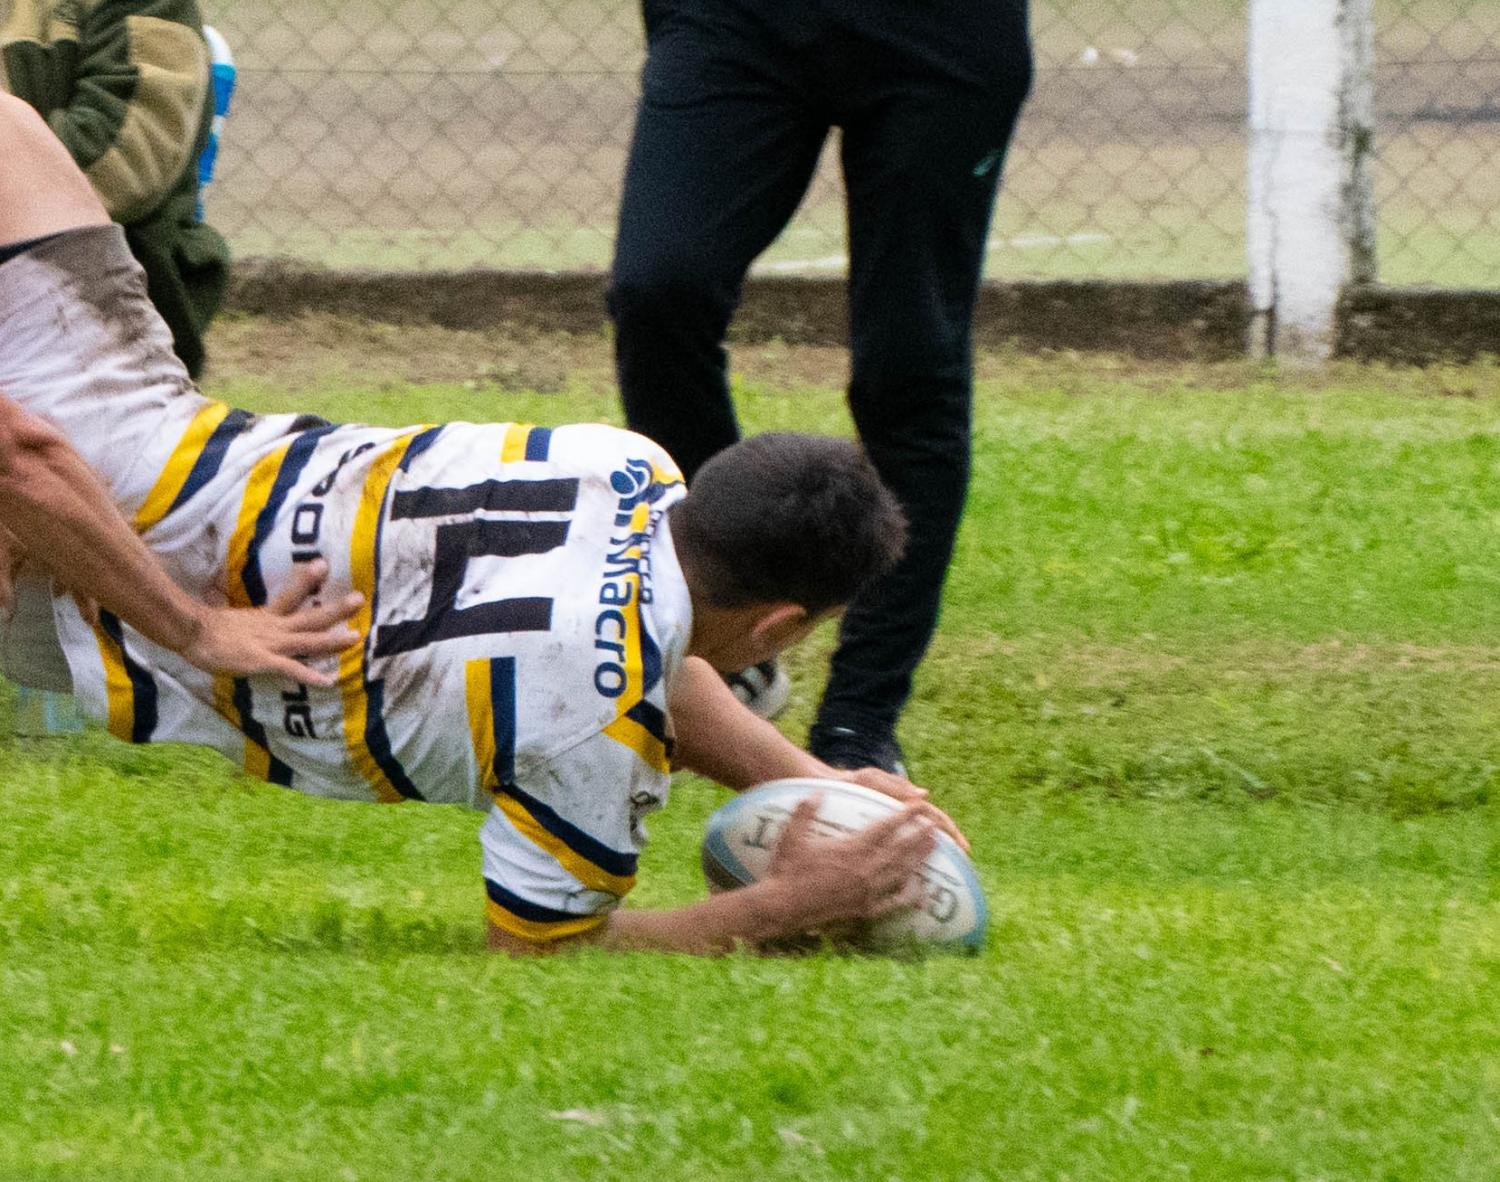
915, 419
667, 286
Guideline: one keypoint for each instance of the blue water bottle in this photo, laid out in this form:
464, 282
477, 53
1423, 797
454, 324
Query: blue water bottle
223, 79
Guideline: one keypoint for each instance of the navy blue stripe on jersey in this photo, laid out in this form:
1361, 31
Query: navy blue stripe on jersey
650, 656
142, 684
296, 459
649, 716
244, 705
417, 446
520, 907
503, 718
585, 846
211, 458
498, 496
539, 443
378, 740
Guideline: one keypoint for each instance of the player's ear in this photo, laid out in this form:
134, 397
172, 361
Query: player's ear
780, 625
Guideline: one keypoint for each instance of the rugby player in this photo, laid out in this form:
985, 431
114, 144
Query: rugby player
537, 614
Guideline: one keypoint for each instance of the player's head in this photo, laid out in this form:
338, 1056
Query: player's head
776, 533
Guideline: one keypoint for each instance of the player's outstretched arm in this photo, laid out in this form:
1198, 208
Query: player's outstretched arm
813, 884
59, 514
718, 736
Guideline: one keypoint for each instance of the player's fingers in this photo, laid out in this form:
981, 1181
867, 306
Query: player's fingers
909, 894
915, 841
299, 671
307, 578
799, 823
906, 849
325, 643
878, 834
946, 823
897, 787
886, 783
322, 616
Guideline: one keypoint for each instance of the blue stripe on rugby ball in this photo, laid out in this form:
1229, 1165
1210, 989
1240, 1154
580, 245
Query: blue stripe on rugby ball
973, 939
716, 845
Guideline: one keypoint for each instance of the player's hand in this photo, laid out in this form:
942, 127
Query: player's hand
281, 636
902, 789
862, 876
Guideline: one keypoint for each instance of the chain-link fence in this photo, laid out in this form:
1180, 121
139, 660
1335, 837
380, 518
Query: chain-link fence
1437, 179
453, 133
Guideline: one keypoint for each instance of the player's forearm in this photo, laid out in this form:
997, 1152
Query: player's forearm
718, 737
55, 506
763, 911
719, 924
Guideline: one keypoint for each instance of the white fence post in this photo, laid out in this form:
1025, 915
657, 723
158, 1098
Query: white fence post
1310, 230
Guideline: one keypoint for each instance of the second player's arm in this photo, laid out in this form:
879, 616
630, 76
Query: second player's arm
54, 506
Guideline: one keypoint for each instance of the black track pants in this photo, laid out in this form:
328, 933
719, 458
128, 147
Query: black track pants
737, 99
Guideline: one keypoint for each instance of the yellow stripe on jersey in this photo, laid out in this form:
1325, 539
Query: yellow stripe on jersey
362, 575
513, 449
256, 758
478, 689
118, 688
538, 931
258, 487
623, 729
174, 475
481, 720
592, 876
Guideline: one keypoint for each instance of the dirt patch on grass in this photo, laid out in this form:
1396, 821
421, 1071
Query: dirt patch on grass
319, 347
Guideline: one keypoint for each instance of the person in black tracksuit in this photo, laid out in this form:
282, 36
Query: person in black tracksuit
737, 99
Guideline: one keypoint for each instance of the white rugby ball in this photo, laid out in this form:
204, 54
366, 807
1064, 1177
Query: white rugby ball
742, 835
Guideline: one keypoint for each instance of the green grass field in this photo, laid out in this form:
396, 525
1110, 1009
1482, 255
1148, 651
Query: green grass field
1216, 698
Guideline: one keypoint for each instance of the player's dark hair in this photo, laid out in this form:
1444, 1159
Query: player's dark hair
781, 518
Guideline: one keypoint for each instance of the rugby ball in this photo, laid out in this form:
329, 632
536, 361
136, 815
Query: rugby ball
742, 835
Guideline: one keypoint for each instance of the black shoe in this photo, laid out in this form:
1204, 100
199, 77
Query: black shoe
845, 747
765, 688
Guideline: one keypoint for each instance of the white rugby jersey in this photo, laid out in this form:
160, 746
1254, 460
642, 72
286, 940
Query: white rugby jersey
524, 612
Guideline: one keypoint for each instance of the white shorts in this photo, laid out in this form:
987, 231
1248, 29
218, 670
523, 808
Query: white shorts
82, 347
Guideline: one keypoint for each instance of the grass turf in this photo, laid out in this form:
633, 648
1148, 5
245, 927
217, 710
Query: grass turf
1214, 698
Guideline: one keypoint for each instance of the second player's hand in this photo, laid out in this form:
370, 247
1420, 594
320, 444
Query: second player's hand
280, 637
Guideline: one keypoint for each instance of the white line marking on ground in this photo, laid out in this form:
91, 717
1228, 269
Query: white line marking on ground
824, 263
1020, 242
1026, 241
